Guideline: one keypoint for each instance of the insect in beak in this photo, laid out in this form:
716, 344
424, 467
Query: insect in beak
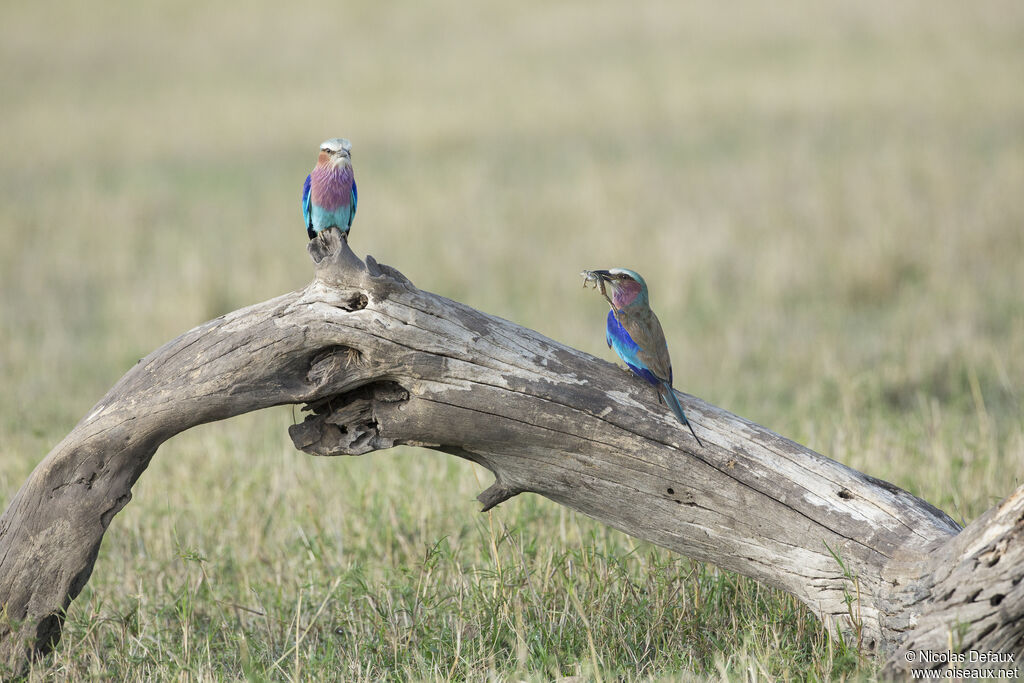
598, 278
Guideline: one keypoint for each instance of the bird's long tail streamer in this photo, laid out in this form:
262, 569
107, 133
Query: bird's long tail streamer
673, 403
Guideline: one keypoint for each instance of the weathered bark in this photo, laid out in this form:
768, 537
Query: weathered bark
382, 363
969, 598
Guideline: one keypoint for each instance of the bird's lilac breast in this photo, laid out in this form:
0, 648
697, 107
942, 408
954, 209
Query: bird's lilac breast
331, 187
625, 293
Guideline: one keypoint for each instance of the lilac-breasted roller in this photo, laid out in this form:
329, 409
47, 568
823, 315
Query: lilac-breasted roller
635, 334
329, 194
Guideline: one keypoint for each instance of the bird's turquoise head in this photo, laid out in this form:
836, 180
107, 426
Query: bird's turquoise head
621, 286
335, 152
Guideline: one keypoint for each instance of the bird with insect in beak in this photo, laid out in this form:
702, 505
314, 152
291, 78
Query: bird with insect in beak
329, 194
635, 334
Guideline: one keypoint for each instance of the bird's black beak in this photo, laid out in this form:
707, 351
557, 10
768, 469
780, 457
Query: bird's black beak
603, 274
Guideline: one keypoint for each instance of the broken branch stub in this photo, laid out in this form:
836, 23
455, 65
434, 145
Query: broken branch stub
381, 363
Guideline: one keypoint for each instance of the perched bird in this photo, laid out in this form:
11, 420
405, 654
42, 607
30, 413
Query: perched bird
635, 334
329, 194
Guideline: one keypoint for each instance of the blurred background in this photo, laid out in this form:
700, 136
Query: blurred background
825, 199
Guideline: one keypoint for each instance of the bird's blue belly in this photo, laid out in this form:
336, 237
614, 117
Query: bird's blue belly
323, 219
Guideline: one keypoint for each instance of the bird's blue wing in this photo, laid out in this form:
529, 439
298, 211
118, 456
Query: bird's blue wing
644, 329
354, 199
307, 212
626, 349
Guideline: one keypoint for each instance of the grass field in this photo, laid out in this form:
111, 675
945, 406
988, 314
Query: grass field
826, 199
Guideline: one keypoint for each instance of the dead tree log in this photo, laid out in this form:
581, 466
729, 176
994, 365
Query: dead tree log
382, 363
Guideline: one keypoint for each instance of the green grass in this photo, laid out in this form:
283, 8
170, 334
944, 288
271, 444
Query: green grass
825, 200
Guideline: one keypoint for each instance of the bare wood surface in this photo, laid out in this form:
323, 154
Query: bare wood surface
382, 363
